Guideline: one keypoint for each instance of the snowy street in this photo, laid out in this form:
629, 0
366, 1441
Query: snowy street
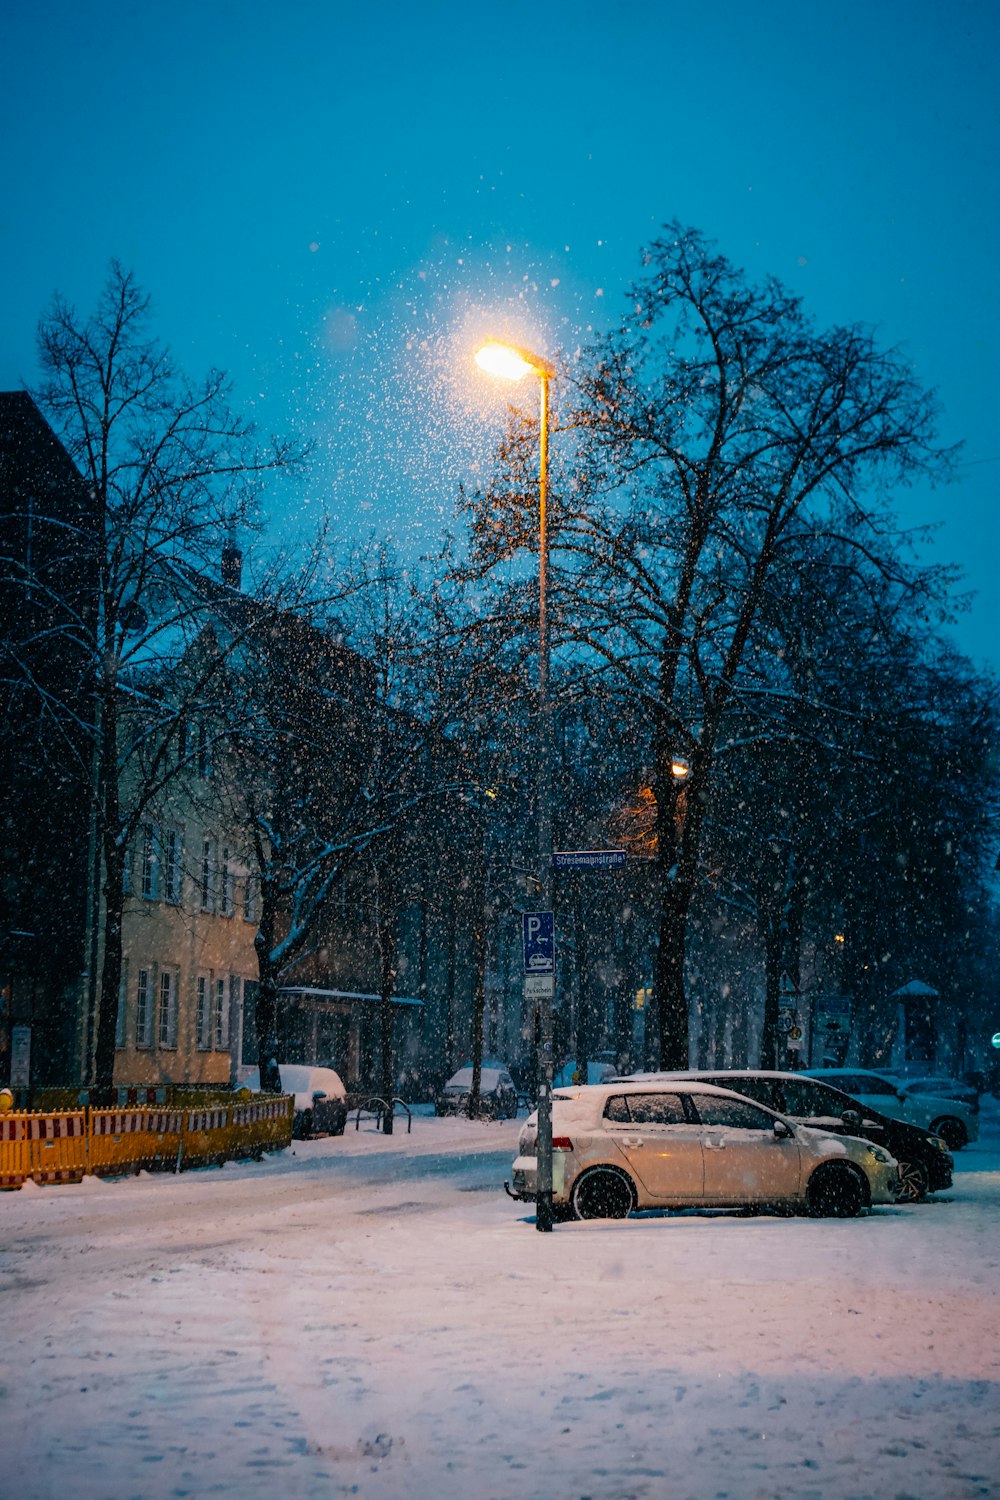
372, 1316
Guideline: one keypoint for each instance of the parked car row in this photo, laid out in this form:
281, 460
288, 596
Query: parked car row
829, 1141
683, 1143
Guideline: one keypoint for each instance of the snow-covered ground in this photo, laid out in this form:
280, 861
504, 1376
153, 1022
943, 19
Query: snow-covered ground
372, 1316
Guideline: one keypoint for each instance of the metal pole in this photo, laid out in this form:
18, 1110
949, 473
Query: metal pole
543, 1148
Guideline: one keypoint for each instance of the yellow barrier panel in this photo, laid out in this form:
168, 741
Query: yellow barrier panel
121, 1139
63, 1147
46, 1148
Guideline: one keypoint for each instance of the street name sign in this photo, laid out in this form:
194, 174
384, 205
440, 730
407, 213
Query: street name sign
588, 859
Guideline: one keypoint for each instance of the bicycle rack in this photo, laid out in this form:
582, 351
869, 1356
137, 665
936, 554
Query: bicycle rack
378, 1106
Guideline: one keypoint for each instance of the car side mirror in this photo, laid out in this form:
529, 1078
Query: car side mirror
851, 1119
318, 1094
782, 1130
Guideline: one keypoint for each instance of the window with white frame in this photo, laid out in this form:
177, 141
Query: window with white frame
227, 885
203, 1012
251, 898
150, 866
167, 1020
120, 1031
173, 856
208, 874
221, 1015
143, 1009
235, 1008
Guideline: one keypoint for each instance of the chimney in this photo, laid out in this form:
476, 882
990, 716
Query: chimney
232, 563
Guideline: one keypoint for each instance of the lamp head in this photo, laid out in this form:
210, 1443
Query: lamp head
509, 362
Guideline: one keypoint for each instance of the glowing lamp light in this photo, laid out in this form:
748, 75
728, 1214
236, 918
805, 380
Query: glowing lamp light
680, 769
508, 362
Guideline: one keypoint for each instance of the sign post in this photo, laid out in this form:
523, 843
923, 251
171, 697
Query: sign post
788, 1014
538, 935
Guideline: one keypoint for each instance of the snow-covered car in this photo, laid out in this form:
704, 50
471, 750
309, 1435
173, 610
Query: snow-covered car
925, 1163
497, 1093
944, 1088
952, 1120
620, 1146
320, 1098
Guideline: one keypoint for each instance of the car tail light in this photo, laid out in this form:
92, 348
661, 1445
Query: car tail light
561, 1143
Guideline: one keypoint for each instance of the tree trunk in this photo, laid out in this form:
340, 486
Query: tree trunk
387, 948
111, 978
668, 978
115, 853
479, 980
266, 1008
769, 1038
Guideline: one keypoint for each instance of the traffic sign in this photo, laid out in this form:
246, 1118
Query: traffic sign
786, 1020
787, 985
588, 859
538, 986
538, 931
995, 1039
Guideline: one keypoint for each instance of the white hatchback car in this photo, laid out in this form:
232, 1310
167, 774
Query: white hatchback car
955, 1122
621, 1146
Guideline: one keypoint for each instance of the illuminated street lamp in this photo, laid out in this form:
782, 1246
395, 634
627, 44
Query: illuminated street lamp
508, 362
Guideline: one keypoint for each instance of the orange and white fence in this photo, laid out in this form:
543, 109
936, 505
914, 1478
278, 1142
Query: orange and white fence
67, 1145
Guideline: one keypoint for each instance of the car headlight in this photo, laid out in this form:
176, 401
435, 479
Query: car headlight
939, 1143
880, 1154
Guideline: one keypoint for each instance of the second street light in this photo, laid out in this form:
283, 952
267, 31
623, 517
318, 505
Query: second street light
512, 363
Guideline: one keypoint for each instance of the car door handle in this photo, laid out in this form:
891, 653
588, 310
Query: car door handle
632, 1140
714, 1145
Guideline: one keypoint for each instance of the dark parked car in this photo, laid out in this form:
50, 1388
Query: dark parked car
925, 1163
497, 1094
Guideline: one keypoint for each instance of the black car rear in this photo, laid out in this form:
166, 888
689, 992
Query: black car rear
925, 1163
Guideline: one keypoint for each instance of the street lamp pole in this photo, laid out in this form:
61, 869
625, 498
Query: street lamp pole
512, 363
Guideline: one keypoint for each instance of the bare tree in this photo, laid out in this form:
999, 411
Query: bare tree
712, 429
172, 471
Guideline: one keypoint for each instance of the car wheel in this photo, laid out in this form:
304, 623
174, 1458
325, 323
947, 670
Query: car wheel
914, 1182
835, 1192
951, 1131
603, 1193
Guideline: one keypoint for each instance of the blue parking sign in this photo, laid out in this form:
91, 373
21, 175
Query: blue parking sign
538, 930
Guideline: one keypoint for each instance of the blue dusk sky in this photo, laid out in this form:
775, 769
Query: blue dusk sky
334, 201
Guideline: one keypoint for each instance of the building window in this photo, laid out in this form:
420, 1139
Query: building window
143, 1011
227, 882
235, 1009
150, 863
173, 853
122, 1005
167, 1028
251, 899
204, 1012
221, 1016
207, 875
204, 750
